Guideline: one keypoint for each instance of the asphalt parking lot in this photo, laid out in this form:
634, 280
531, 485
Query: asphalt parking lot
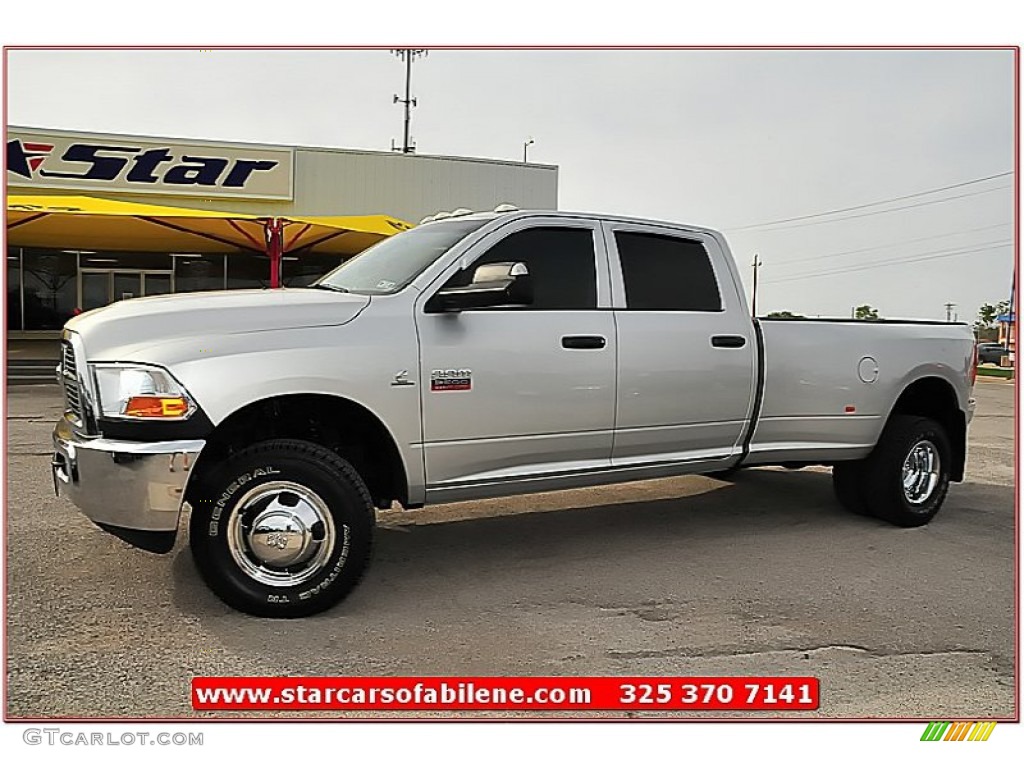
760, 576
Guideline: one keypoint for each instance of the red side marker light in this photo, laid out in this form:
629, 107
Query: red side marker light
851, 409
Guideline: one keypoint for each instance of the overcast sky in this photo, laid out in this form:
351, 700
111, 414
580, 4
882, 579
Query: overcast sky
717, 138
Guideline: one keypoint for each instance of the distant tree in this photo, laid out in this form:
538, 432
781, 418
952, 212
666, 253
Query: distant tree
865, 312
783, 314
987, 314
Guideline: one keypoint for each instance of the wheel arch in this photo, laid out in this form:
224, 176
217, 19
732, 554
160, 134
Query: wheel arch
935, 398
342, 425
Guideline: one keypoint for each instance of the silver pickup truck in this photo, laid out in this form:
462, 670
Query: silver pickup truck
477, 356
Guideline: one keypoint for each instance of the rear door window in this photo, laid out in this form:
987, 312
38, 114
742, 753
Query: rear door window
667, 273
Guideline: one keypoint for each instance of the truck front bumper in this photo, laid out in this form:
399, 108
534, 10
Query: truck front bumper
133, 490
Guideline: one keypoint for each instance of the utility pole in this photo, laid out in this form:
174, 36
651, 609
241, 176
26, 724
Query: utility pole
753, 299
950, 306
526, 143
407, 55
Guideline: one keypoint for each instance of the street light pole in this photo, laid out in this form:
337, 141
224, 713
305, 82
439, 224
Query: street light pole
526, 143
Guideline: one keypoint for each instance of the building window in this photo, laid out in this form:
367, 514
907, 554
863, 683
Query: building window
108, 276
198, 272
50, 287
248, 271
95, 290
14, 289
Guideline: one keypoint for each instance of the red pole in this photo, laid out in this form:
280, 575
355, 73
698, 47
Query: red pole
275, 249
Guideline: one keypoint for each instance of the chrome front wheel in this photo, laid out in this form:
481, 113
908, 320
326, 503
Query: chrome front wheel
280, 533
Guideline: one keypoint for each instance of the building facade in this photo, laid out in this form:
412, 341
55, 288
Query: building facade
46, 285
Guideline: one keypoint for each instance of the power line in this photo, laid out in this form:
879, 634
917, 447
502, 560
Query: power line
910, 257
871, 205
787, 262
889, 263
894, 262
887, 210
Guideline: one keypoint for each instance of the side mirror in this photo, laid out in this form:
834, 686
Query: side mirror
494, 285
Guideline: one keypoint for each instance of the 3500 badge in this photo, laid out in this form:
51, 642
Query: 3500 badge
451, 380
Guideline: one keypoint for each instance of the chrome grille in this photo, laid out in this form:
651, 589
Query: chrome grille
69, 375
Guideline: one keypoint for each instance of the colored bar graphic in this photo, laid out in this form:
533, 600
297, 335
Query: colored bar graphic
934, 731
972, 730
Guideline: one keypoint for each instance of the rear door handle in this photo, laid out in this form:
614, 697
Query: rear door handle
584, 342
728, 342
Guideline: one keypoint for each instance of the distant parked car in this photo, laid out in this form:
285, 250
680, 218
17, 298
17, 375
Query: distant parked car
991, 352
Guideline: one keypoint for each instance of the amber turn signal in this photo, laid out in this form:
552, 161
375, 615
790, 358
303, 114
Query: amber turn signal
149, 406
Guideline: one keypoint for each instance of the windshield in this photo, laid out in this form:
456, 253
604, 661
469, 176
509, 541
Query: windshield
393, 263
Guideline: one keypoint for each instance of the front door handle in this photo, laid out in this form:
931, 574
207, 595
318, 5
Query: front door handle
728, 342
584, 342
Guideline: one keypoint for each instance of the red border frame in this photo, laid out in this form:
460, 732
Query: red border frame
496, 719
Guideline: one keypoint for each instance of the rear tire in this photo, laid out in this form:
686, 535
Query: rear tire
847, 482
906, 477
283, 529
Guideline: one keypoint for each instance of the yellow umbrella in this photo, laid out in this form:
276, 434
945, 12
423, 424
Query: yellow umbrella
339, 234
92, 223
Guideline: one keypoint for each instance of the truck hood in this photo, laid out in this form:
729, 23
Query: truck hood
126, 328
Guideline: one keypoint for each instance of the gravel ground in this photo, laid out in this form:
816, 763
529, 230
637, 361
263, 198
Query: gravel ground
759, 576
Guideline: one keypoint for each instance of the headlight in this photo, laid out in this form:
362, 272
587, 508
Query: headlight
129, 391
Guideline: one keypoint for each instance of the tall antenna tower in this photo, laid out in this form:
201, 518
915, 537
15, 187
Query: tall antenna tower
408, 55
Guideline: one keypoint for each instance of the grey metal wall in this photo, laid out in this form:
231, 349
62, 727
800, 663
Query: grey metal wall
334, 182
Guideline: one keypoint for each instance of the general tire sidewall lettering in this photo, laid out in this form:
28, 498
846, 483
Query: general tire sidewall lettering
221, 505
328, 475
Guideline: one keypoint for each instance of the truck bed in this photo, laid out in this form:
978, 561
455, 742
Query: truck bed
828, 384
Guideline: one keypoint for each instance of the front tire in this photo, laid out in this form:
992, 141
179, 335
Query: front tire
283, 529
906, 477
